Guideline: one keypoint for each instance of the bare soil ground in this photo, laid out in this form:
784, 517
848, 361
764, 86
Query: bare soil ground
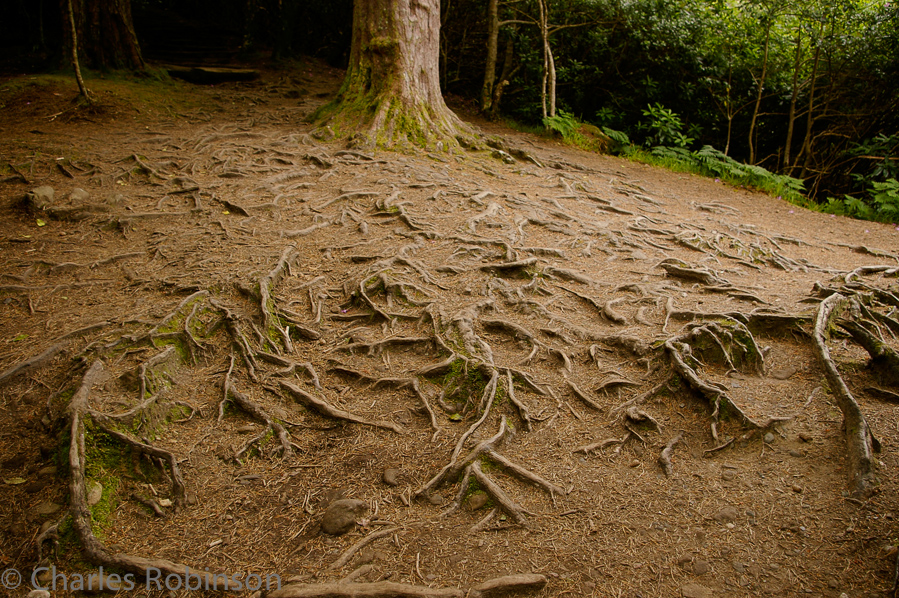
245, 323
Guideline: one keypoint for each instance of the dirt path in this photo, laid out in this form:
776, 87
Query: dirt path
562, 364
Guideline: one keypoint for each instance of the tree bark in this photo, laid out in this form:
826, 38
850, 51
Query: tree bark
490, 66
794, 97
105, 32
391, 93
761, 89
78, 78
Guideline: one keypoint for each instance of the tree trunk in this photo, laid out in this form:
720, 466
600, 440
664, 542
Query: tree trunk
105, 32
791, 118
391, 93
504, 77
490, 66
549, 65
71, 20
761, 89
810, 117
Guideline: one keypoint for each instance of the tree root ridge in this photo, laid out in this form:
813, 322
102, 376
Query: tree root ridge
94, 549
860, 441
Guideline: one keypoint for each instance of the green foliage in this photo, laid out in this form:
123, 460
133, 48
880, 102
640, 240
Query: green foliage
664, 127
881, 204
575, 132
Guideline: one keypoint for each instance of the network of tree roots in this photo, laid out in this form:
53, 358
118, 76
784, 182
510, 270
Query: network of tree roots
542, 371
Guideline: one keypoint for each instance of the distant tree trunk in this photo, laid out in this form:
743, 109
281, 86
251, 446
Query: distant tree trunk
761, 89
810, 117
794, 98
73, 30
105, 32
505, 75
391, 92
490, 66
549, 65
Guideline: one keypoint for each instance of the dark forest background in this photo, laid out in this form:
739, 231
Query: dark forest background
808, 89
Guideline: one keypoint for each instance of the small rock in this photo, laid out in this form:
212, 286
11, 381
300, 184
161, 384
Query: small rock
738, 566
341, 516
46, 508
40, 198
391, 476
684, 560
36, 486
833, 584
694, 590
635, 463
435, 499
783, 373
728, 475
47, 471
701, 567
38, 594
805, 437
796, 488
94, 492
46, 525
248, 429
477, 500
728, 514
769, 438
79, 195
795, 453
191, 498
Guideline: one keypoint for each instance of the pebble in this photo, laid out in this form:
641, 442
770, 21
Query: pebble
38, 594
694, 590
340, 517
45, 471
79, 195
684, 560
727, 514
248, 429
701, 567
46, 508
728, 475
795, 453
738, 566
635, 463
796, 488
391, 476
783, 373
94, 492
435, 499
769, 438
805, 437
477, 500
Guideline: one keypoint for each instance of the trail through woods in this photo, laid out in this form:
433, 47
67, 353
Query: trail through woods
595, 377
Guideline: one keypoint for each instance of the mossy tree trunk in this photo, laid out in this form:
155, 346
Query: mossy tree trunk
105, 33
391, 95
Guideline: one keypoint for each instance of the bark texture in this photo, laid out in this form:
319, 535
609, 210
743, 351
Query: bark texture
105, 33
391, 94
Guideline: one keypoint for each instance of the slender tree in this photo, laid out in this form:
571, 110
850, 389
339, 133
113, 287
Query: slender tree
105, 32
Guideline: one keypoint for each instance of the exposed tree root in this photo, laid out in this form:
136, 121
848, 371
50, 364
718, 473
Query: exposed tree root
329, 410
859, 439
497, 493
94, 549
665, 457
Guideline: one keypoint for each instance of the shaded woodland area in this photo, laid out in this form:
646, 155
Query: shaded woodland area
434, 354
807, 89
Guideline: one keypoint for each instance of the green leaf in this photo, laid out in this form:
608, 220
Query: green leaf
20, 337
15, 481
41, 222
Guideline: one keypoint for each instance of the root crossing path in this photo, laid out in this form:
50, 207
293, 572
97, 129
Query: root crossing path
568, 374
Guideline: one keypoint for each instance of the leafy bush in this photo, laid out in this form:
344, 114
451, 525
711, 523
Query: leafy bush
665, 127
882, 205
575, 132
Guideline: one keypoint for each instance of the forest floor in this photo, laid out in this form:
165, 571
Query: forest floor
246, 324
